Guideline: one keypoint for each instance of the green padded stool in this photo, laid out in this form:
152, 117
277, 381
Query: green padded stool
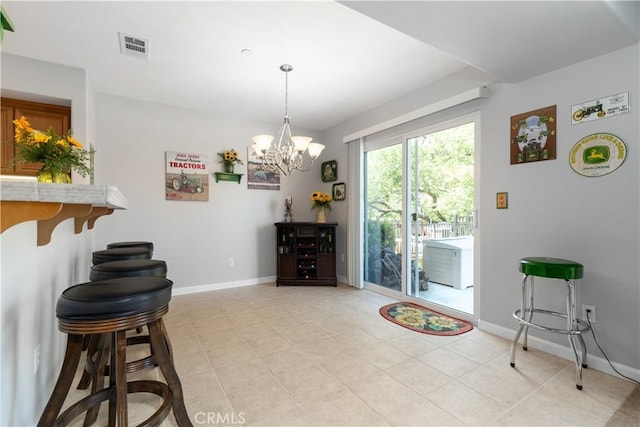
552, 268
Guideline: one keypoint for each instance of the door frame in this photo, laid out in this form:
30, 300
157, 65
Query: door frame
402, 138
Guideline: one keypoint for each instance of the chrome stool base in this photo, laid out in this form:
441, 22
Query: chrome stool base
555, 269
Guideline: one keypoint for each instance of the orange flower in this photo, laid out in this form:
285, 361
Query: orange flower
71, 140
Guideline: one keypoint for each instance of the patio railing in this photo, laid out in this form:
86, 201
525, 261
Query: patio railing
461, 226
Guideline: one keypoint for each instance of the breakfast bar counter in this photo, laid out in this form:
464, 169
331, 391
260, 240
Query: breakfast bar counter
50, 204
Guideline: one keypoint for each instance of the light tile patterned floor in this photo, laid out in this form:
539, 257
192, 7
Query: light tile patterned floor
323, 356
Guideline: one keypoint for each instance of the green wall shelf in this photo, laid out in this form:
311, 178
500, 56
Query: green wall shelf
223, 176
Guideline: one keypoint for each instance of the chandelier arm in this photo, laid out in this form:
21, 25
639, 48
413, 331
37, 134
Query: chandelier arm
305, 169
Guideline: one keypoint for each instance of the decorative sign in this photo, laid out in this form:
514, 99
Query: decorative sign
259, 178
533, 136
187, 176
597, 154
609, 106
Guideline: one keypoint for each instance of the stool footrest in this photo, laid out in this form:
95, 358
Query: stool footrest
143, 386
582, 325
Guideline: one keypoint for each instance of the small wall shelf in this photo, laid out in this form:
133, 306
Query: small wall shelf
223, 176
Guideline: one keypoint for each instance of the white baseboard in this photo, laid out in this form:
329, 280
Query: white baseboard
595, 362
224, 285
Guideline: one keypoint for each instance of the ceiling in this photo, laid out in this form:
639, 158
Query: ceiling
348, 56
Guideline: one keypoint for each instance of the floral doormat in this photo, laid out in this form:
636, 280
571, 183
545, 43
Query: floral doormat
417, 318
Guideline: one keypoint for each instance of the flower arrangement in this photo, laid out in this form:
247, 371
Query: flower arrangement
321, 200
229, 159
58, 154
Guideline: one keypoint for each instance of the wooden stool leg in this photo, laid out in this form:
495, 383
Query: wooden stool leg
97, 377
166, 340
92, 346
159, 347
69, 366
120, 348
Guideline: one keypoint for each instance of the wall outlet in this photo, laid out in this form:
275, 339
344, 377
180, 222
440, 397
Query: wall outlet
592, 313
230, 262
36, 359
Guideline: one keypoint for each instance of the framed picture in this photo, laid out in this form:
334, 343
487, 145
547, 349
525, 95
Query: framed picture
339, 191
187, 176
533, 136
329, 171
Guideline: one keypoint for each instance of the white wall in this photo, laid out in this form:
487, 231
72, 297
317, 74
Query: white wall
553, 211
194, 238
32, 277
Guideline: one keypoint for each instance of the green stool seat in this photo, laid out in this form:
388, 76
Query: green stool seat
554, 268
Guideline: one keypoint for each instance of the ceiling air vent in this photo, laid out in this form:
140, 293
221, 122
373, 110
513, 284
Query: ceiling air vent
134, 46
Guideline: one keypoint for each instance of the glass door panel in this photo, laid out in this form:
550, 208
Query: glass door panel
383, 217
441, 202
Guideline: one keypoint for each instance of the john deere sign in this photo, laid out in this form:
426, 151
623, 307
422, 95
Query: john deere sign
597, 154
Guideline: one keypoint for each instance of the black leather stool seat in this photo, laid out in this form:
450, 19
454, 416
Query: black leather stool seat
114, 298
128, 268
117, 254
132, 244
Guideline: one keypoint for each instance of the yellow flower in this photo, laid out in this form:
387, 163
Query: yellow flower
23, 128
439, 323
229, 157
321, 200
411, 319
40, 137
58, 154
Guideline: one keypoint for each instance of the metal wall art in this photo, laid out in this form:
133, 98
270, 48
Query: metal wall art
597, 154
258, 177
533, 136
609, 106
187, 176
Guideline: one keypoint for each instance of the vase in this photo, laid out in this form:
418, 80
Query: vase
50, 177
321, 215
228, 167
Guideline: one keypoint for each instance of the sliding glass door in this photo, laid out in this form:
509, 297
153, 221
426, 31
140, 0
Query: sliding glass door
441, 199
419, 223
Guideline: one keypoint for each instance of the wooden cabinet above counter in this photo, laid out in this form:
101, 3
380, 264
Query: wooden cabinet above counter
50, 204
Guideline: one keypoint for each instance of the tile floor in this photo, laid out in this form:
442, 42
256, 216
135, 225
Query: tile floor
323, 356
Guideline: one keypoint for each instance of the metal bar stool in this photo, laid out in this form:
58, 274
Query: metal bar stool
112, 307
553, 268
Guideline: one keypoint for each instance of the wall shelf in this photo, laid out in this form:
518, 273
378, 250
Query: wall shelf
50, 204
223, 176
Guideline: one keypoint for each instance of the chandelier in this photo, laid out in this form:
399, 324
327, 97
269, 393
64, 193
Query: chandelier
286, 154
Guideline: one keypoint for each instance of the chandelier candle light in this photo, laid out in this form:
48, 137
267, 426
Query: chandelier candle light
286, 154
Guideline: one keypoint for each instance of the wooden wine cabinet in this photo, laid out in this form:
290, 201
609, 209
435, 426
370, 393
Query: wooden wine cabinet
306, 253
